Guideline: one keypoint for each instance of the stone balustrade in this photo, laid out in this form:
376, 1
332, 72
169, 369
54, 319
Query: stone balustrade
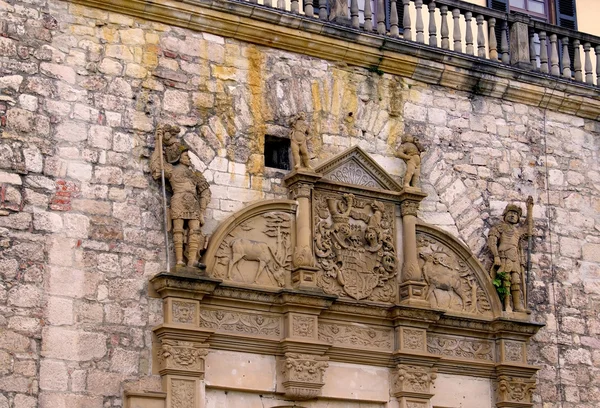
513, 39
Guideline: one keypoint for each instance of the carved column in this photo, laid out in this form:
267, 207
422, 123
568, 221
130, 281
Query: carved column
412, 286
300, 184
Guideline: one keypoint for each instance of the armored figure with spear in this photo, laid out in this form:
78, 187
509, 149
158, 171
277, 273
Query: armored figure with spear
504, 241
191, 194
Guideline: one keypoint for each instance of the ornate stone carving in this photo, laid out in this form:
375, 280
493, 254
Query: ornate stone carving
413, 379
191, 193
409, 208
298, 137
183, 393
354, 246
516, 391
473, 349
181, 356
415, 404
351, 173
258, 251
184, 312
504, 241
410, 151
241, 322
303, 375
452, 284
513, 351
358, 336
303, 326
412, 339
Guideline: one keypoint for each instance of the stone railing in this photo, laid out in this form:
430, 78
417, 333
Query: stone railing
509, 38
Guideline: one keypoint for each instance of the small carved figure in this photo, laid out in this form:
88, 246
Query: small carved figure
410, 151
298, 138
439, 274
504, 241
191, 194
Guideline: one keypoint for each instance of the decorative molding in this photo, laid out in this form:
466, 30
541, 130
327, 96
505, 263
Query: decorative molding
303, 326
460, 347
513, 351
411, 380
240, 322
181, 356
184, 312
359, 336
302, 375
413, 339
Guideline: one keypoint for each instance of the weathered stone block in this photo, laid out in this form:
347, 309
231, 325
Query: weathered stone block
72, 345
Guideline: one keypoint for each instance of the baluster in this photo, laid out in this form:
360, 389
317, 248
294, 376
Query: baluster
354, 13
532, 52
589, 73
322, 9
543, 53
456, 35
368, 25
309, 10
432, 27
566, 59
492, 39
445, 30
597, 50
504, 43
268, 3
554, 70
394, 31
295, 7
380, 17
281, 4
577, 62
419, 25
469, 33
480, 37
406, 21
253, 1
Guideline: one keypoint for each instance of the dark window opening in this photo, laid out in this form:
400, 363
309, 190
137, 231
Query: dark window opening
277, 152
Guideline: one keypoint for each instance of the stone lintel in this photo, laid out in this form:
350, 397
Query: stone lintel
314, 347
306, 301
181, 332
415, 316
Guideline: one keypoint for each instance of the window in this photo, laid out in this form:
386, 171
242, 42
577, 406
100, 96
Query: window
277, 152
535, 8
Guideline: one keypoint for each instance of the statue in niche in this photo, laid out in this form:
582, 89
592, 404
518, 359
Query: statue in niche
354, 247
298, 137
410, 151
504, 241
191, 194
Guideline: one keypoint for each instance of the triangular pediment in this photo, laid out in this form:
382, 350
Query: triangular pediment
355, 167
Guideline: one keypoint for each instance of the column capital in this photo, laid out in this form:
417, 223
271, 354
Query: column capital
410, 199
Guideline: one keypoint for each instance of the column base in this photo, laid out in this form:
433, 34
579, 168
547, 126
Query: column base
412, 293
305, 277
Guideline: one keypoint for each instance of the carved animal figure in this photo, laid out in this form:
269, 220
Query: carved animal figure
257, 251
439, 275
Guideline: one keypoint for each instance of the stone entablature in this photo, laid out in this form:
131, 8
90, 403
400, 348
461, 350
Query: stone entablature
418, 310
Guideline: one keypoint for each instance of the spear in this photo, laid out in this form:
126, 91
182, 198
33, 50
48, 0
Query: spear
529, 244
164, 194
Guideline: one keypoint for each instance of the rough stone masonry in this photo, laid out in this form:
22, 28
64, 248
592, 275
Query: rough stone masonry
81, 91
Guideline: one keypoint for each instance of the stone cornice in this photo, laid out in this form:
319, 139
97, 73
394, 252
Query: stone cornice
273, 28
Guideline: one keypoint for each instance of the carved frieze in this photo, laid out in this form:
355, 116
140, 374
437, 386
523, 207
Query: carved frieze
515, 391
452, 284
356, 336
302, 375
239, 322
355, 246
303, 326
413, 379
258, 251
458, 347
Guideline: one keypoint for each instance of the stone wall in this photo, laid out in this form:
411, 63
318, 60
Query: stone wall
80, 220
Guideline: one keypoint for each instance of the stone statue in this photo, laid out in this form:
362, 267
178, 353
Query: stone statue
410, 151
191, 193
298, 137
504, 241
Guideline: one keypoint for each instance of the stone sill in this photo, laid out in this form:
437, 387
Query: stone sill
294, 32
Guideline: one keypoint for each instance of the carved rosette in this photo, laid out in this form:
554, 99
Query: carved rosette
415, 381
515, 392
182, 357
303, 375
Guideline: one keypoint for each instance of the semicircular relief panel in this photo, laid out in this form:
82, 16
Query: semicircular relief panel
456, 281
255, 246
